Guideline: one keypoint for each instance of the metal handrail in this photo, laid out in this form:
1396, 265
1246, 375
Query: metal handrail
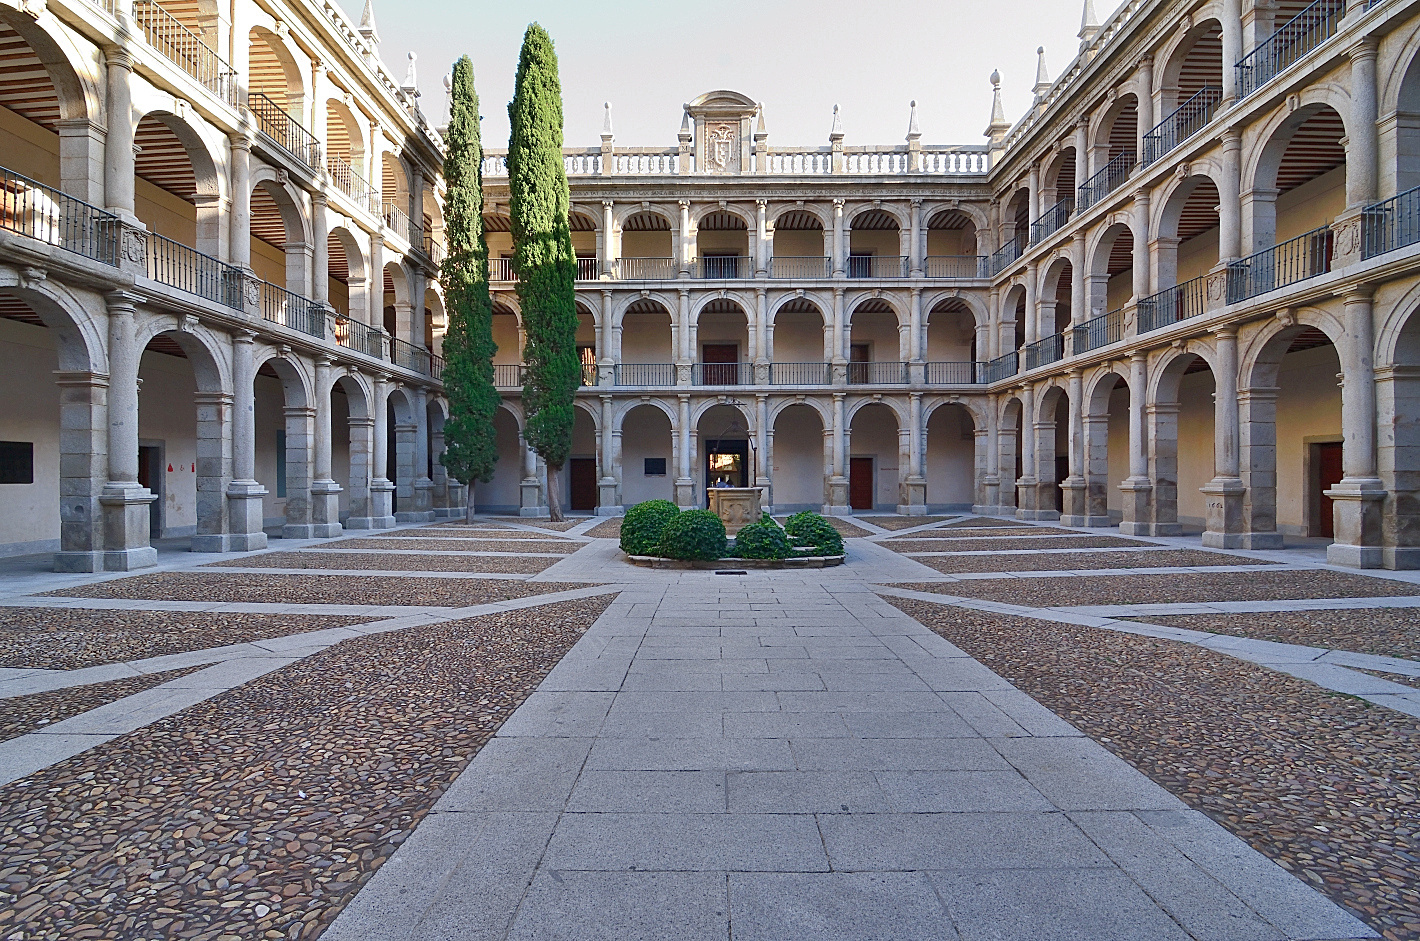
645, 375
956, 266
1106, 180
1004, 255
411, 357
955, 374
713, 267
286, 131
357, 336
48, 215
807, 266
436, 367
647, 269
1050, 349
1003, 367
1171, 305
1051, 220
192, 272
589, 268
1292, 40
508, 375
800, 374
349, 181
501, 269
1097, 332
877, 266
861, 374
283, 307
1296, 259
1390, 224
722, 374
396, 219
185, 49
1186, 120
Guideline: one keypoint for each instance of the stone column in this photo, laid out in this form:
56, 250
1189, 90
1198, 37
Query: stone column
245, 497
915, 241
609, 485
1032, 317
381, 487
1141, 263
1082, 154
838, 481
1033, 188
1026, 492
124, 501
685, 246
840, 339
760, 336
1146, 99
1224, 493
119, 150
300, 421
1232, 49
685, 481
423, 482
1162, 418
913, 490
530, 493
1362, 141
763, 469
1076, 509
443, 508
1136, 488
362, 447
685, 354
1358, 499
325, 492
320, 250
839, 264
1230, 239
610, 254
1257, 426
916, 370
991, 482
761, 239
83, 470
239, 234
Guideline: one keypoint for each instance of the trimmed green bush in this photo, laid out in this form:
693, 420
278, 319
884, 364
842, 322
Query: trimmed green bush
642, 527
810, 529
762, 541
694, 535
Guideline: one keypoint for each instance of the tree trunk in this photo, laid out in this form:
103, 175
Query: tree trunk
468, 503
554, 499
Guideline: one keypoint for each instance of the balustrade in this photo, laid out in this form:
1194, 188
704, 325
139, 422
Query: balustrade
357, 336
722, 374
809, 266
647, 269
1052, 220
45, 214
955, 374
1042, 352
1296, 259
286, 131
192, 272
645, 375
1106, 180
1003, 256
800, 374
877, 373
1390, 224
877, 266
281, 306
1003, 367
1293, 40
1186, 120
1097, 332
349, 181
185, 49
956, 266
1179, 302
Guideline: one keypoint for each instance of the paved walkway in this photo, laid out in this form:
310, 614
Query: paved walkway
787, 756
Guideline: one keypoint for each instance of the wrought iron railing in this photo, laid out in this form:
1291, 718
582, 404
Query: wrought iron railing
411, 357
396, 219
47, 215
1294, 39
1294, 260
1052, 219
280, 306
1390, 224
1097, 332
286, 131
722, 374
800, 374
877, 373
185, 49
1186, 120
1004, 255
955, 374
508, 375
436, 367
433, 248
357, 336
645, 374
808, 266
190, 271
877, 266
1106, 180
1003, 367
589, 268
956, 266
1179, 302
647, 269
1050, 349
722, 266
349, 181
501, 269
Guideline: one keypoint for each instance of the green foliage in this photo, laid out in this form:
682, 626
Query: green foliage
810, 529
470, 442
764, 540
642, 527
694, 534
543, 258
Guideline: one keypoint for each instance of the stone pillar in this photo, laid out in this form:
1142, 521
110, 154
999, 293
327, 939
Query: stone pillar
761, 336
912, 497
1082, 156
1079, 298
1136, 488
325, 492
1146, 99
119, 150
1257, 426
761, 239
239, 235
1230, 240
685, 246
685, 481
245, 497
1026, 493
423, 482
763, 469
214, 468
1140, 262
990, 496
1076, 509
530, 502
83, 469
320, 250
1032, 318
839, 252
1232, 49
916, 371
381, 487
1362, 142
1033, 192
914, 242
610, 247
609, 485
443, 508
362, 446
300, 422
838, 480
1358, 499
685, 353
1224, 493
124, 501
841, 334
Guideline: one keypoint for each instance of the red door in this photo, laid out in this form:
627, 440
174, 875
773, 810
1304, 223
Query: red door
1328, 464
860, 483
584, 484
720, 361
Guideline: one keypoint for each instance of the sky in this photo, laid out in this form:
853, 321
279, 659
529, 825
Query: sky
869, 57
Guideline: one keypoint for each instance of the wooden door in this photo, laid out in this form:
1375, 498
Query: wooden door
721, 364
583, 484
1328, 465
860, 483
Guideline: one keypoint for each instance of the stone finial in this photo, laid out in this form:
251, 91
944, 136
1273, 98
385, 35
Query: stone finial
914, 131
836, 132
606, 121
760, 133
998, 127
685, 134
411, 81
1089, 23
1042, 74
367, 23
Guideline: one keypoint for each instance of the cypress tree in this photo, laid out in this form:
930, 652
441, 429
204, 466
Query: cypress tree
469, 438
543, 258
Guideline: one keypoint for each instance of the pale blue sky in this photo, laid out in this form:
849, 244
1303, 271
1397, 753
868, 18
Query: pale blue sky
871, 57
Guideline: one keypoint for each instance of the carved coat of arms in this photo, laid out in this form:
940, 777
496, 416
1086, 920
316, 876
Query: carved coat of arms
722, 147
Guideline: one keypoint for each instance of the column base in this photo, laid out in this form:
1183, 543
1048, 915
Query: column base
1075, 500
534, 513
325, 508
1225, 527
1025, 497
912, 496
1357, 505
448, 512
530, 499
213, 542
127, 560
1138, 495
837, 504
615, 510
991, 509
685, 493
381, 504
607, 496
369, 522
244, 514
1164, 529
415, 516
311, 530
1397, 558
127, 524
78, 562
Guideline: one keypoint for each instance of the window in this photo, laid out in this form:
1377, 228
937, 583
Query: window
280, 463
655, 467
17, 462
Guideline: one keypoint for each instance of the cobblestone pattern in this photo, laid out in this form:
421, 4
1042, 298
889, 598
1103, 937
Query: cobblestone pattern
985, 522
21, 715
1388, 632
558, 527
459, 545
948, 532
919, 542
259, 813
904, 522
73, 638
310, 559
1322, 783
315, 589
1263, 585
1083, 561
607, 529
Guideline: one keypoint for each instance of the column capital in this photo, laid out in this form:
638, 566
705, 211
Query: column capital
916, 202
1226, 332
122, 302
1365, 48
118, 56
1358, 294
683, 203
239, 140
608, 203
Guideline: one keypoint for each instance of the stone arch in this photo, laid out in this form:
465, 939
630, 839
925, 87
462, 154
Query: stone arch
698, 410
1272, 167
1399, 95
855, 405
979, 416
1168, 209
297, 381
1265, 144
79, 93
820, 408
81, 345
204, 349
670, 303
623, 214
747, 216
274, 71
1103, 138
852, 213
973, 212
1261, 356
878, 300
797, 301
345, 131
970, 299
627, 407
823, 215
1166, 372
1199, 48
1062, 174
1389, 336
743, 299
1097, 387
358, 391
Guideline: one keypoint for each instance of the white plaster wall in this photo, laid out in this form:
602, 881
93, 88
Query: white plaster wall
646, 245
1308, 411
30, 511
505, 335
1118, 447
879, 331
798, 337
340, 447
798, 459
950, 242
646, 338
1197, 256
798, 243
30, 149
167, 415
874, 434
501, 495
949, 336
645, 432
715, 329
1314, 203
1195, 445
878, 242
271, 418
951, 457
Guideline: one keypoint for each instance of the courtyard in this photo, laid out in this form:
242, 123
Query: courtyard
975, 728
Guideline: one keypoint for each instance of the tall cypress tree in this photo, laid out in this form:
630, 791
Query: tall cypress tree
469, 438
543, 258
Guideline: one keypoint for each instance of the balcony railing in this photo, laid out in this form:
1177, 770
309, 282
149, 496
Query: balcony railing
185, 49
45, 214
877, 266
1003, 367
1294, 260
501, 269
589, 268
956, 266
860, 374
396, 219
285, 130
357, 336
436, 367
192, 272
1098, 331
1187, 119
645, 375
352, 184
1293, 40
411, 357
800, 374
508, 376
1004, 255
809, 266
1106, 180
1179, 302
1051, 349
1391, 224
955, 374
1051, 220
433, 248
280, 306
648, 269
722, 374
722, 266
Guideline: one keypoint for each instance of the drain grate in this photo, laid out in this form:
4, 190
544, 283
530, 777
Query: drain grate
731, 572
